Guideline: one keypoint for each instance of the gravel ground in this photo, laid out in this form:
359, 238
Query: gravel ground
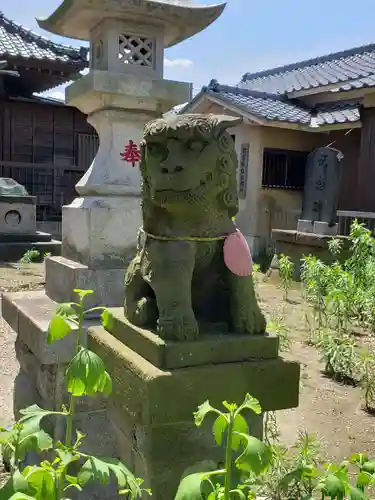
8, 371
13, 277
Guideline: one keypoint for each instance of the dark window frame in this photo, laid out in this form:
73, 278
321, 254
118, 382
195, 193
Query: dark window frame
284, 169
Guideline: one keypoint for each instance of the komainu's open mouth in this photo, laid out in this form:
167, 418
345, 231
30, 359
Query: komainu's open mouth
203, 182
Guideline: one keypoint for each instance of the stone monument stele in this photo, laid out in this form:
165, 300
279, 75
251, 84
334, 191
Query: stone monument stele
122, 91
318, 222
321, 192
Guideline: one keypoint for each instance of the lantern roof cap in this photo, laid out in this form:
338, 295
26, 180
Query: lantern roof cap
179, 19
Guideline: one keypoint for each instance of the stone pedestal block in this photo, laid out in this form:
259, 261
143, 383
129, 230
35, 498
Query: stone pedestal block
148, 420
64, 275
158, 385
98, 243
296, 245
305, 226
325, 228
100, 231
42, 367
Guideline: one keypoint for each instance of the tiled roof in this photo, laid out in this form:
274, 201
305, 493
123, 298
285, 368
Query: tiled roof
354, 68
279, 108
18, 42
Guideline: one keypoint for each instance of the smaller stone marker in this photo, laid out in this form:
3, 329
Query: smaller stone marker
321, 192
18, 232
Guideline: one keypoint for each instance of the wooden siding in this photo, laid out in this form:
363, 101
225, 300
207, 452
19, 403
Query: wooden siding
47, 148
349, 144
366, 163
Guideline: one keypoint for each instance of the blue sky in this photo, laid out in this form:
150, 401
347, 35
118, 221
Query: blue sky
251, 35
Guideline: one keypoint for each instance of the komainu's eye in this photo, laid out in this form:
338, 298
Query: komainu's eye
157, 149
197, 146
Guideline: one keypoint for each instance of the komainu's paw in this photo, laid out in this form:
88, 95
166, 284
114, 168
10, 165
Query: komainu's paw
145, 313
178, 327
250, 320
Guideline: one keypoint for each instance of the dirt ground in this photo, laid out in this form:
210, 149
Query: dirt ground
330, 410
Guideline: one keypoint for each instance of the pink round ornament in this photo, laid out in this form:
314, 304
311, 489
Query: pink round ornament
237, 255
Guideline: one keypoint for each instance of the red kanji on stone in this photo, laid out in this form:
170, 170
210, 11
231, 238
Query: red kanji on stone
132, 153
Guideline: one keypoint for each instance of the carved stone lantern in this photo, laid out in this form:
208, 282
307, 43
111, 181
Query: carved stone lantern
123, 90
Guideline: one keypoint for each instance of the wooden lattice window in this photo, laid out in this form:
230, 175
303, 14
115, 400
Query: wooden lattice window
284, 169
136, 50
88, 145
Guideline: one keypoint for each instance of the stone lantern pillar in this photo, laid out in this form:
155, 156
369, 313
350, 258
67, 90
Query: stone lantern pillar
123, 90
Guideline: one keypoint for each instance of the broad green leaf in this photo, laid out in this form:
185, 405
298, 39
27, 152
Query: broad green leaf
15, 484
67, 310
86, 375
107, 319
20, 496
42, 482
194, 487
291, 477
364, 479
256, 455
58, 329
357, 494
4, 436
27, 434
105, 385
219, 427
239, 427
83, 293
101, 469
369, 466
252, 404
332, 487
238, 494
203, 410
359, 458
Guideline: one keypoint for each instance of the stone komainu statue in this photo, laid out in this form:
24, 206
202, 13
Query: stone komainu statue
189, 199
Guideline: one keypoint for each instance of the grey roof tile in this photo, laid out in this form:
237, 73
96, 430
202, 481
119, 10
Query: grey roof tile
345, 67
279, 108
16, 41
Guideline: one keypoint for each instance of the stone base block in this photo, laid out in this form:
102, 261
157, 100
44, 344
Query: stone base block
152, 408
64, 275
325, 228
42, 367
305, 226
13, 250
296, 245
101, 232
212, 347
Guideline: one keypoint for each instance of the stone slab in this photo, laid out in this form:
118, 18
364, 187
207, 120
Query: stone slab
153, 396
305, 226
297, 245
38, 236
310, 239
325, 228
14, 250
65, 275
29, 313
104, 89
211, 347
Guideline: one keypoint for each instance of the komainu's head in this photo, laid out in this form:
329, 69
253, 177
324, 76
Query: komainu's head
190, 159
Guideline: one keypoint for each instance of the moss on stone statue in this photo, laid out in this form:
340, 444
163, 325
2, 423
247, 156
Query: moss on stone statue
178, 278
